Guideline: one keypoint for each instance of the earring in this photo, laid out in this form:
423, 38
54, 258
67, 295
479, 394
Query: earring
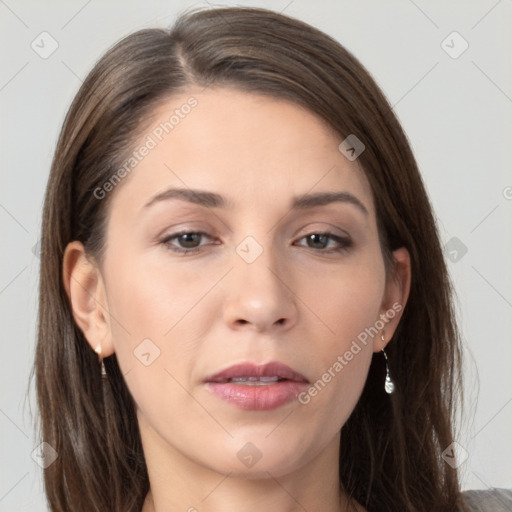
389, 385
102, 364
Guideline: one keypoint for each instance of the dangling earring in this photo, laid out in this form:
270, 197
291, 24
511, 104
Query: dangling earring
389, 385
102, 364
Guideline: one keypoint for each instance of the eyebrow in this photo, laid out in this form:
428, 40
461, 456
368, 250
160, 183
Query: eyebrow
213, 200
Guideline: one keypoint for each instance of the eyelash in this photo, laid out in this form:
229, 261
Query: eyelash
346, 243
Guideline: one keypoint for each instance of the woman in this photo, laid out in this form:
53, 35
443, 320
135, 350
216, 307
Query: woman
236, 229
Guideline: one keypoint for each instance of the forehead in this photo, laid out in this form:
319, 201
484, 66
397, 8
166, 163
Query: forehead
253, 149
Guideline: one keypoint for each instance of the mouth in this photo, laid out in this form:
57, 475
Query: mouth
257, 387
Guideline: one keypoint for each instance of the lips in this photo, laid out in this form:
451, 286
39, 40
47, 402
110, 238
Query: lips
253, 372
257, 387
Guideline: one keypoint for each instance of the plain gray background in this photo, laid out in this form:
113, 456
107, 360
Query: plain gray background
456, 109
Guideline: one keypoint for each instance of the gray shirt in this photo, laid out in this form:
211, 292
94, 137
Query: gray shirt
491, 500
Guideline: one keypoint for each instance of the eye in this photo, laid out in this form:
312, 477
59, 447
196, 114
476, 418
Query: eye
187, 241
324, 242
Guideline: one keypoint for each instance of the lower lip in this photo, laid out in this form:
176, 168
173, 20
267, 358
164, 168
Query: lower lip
257, 398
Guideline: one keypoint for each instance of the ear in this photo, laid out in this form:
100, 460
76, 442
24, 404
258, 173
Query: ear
85, 289
398, 285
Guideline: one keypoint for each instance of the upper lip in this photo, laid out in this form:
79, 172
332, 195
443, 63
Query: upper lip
272, 369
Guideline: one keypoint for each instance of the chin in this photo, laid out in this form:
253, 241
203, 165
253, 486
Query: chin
256, 457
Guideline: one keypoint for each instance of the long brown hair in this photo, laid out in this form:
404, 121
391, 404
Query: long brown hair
390, 458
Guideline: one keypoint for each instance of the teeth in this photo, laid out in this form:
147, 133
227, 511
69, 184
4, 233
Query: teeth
269, 379
254, 381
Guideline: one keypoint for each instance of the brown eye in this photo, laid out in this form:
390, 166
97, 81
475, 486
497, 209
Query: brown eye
326, 242
189, 240
185, 242
317, 241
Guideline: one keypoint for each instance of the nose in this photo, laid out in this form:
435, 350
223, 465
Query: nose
260, 295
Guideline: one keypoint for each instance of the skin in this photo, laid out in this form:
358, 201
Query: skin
297, 303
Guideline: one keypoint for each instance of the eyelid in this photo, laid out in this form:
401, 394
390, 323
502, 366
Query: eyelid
322, 227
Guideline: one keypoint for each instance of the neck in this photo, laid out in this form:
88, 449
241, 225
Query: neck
277, 494
178, 483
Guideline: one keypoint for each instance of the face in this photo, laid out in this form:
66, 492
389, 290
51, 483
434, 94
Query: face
233, 312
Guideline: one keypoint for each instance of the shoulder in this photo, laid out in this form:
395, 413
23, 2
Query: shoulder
491, 500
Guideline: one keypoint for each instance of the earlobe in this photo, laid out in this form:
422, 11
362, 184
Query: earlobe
85, 289
398, 285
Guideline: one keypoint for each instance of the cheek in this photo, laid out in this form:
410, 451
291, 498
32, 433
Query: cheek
347, 299
160, 315
152, 300
348, 304
152, 333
